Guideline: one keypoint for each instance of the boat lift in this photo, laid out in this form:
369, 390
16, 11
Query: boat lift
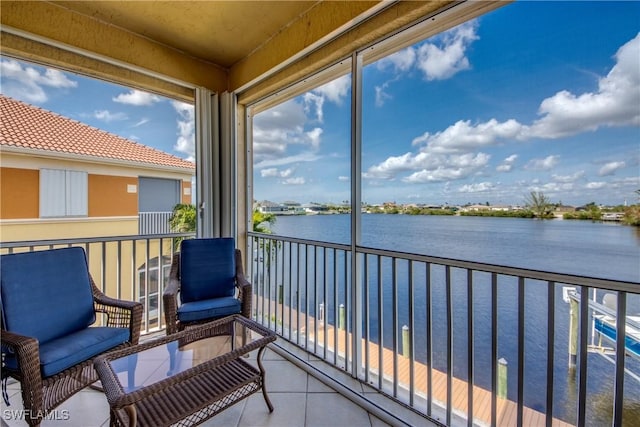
603, 327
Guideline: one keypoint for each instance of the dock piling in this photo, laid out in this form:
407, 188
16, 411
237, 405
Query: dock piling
405, 341
502, 378
573, 332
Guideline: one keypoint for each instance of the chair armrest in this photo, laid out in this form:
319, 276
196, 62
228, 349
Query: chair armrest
245, 296
120, 313
244, 287
26, 351
170, 296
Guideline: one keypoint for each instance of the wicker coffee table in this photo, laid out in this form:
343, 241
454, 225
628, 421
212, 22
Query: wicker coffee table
185, 378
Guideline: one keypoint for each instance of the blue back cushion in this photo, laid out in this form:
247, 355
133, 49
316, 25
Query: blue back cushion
46, 294
207, 269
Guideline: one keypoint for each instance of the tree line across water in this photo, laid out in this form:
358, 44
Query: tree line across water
537, 205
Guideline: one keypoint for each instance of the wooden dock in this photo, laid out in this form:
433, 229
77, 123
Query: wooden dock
506, 410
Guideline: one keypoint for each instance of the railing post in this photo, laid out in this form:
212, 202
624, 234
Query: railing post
405, 341
321, 312
342, 317
502, 378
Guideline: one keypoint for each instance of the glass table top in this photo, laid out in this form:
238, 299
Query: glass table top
171, 357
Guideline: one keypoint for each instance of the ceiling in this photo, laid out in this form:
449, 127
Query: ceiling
244, 46
221, 32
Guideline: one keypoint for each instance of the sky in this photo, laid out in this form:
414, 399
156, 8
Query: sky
146, 118
535, 96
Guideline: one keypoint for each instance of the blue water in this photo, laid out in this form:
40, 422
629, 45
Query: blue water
602, 250
605, 250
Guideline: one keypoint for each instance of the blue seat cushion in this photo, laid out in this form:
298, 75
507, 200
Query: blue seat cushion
207, 269
46, 294
62, 353
208, 309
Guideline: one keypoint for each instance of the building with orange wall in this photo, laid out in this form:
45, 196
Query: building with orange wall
60, 178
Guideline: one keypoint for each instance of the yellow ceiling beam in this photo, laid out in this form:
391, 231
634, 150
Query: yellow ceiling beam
66, 28
310, 29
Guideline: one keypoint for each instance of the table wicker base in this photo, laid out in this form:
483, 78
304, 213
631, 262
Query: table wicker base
203, 397
185, 378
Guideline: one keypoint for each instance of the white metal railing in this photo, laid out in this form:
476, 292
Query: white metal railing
439, 335
123, 267
153, 223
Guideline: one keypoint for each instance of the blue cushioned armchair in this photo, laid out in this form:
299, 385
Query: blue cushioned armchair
208, 278
48, 304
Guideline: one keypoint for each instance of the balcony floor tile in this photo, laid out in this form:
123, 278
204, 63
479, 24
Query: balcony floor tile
298, 398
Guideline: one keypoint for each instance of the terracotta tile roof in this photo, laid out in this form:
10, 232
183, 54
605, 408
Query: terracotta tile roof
26, 126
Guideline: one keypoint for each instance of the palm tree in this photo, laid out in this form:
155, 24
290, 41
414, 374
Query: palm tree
540, 204
262, 222
182, 220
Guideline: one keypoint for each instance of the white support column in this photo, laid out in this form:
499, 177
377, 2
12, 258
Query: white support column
356, 215
207, 163
228, 159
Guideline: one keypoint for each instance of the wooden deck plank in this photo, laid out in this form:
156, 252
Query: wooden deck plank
506, 410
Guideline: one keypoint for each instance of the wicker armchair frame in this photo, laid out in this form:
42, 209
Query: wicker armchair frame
41, 395
170, 295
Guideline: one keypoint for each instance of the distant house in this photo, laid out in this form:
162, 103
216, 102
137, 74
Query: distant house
562, 209
476, 208
60, 178
267, 207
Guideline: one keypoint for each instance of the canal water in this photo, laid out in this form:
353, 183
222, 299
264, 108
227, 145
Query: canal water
593, 249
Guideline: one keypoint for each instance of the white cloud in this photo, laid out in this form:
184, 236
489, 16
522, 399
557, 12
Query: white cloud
303, 157
269, 172
595, 185
107, 116
315, 102
553, 187
610, 168
336, 90
568, 178
28, 84
438, 59
542, 164
446, 56
507, 164
451, 167
294, 181
479, 187
314, 137
381, 95
463, 136
343, 178
141, 122
429, 167
400, 61
615, 103
286, 173
275, 172
186, 141
279, 128
137, 97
